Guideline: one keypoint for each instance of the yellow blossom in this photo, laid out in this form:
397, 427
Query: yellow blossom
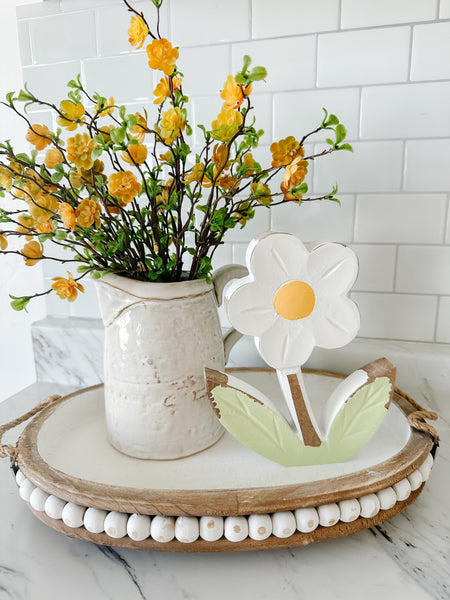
172, 124
124, 186
162, 90
88, 212
140, 129
79, 150
135, 154
248, 163
53, 157
262, 192
105, 132
284, 151
44, 227
70, 114
166, 156
107, 109
227, 181
3, 241
162, 56
67, 214
138, 31
234, 94
220, 156
43, 207
39, 136
226, 126
294, 175
26, 226
6, 177
196, 174
32, 253
67, 288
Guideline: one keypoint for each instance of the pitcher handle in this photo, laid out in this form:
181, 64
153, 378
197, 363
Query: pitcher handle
220, 279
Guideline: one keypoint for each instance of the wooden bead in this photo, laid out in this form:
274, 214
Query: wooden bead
54, 507
211, 528
329, 514
187, 529
236, 529
283, 524
26, 488
387, 498
116, 524
415, 480
138, 527
370, 505
307, 519
162, 529
19, 477
94, 520
425, 468
38, 499
72, 515
350, 510
259, 527
402, 489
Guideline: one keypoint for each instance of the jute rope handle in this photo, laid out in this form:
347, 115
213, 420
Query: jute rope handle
417, 419
12, 451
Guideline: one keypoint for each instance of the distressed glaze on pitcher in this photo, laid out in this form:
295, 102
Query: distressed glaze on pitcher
159, 337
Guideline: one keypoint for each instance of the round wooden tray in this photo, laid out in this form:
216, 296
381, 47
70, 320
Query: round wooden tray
64, 453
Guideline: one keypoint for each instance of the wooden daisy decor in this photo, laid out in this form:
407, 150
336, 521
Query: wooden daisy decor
291, 301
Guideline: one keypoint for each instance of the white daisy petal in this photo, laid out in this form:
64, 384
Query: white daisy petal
250, 308
286, 344
277, 257
335, 322
333, 269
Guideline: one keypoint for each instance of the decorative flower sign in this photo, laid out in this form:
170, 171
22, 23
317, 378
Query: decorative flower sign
291, 301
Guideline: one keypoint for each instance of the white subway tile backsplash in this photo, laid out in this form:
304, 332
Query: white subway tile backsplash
293, 17
203, 22
431, 43
298, 113
377, 66
290, 62
42, 9
376, 267
126, 78
366, 13
24, 42
373, 166
49, 82
444, 9
113, 23
204, 72
363, 57
443, 323
426, 167
396, 316
63, 37
423, 269
259, 224
316, 221
400, 218
405, 111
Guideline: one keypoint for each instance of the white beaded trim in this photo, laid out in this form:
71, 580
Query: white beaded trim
235, 529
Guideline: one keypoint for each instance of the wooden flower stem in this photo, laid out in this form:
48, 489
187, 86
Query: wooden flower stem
297, 400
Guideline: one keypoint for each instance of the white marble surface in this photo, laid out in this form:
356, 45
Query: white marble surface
407, 557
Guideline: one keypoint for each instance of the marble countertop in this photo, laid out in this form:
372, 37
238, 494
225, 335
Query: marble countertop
406, 557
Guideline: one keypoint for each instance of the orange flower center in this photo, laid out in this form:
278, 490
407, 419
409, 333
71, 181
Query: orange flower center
294, 300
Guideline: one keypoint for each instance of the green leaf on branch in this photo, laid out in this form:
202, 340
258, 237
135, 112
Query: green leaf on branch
19, 302
348, 147
56, 177
341, 132
43, 237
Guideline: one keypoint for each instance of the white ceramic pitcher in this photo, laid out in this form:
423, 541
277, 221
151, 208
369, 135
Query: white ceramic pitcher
159, 337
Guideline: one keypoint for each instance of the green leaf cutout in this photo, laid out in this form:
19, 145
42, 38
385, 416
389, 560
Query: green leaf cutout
262, 430
359, 419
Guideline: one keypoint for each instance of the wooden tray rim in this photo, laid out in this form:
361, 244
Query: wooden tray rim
223, 502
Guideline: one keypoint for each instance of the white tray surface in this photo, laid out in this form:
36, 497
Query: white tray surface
73, 440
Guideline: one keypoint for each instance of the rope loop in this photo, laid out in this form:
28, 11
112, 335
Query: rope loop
7, 450
417, 419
